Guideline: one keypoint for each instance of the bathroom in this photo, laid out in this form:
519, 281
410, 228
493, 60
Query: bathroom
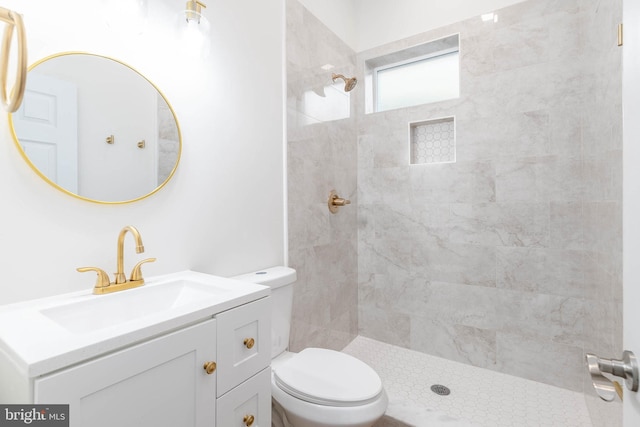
509, 253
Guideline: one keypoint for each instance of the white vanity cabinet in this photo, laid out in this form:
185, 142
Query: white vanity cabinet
244, 358
201, 361
160, 382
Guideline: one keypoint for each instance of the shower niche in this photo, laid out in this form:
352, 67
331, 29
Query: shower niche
432, 141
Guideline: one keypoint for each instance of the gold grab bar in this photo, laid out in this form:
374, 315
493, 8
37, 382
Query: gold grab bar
13, 20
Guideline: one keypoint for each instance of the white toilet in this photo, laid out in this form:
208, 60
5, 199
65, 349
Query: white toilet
316, 387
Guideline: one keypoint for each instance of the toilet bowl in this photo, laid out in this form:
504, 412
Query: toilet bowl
326, 388
315, 387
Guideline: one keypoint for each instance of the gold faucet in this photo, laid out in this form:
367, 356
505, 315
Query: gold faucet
103, 286
120, 276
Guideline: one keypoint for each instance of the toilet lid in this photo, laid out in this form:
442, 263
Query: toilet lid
327, 377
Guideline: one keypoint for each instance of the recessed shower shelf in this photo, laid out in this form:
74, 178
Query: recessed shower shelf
433, 141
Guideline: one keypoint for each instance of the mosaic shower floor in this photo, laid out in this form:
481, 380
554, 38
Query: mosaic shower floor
479, 397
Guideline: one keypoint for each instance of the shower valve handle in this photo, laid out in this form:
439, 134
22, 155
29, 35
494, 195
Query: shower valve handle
340, 201
335, 202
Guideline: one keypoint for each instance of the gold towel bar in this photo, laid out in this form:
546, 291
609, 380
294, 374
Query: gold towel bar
13, 20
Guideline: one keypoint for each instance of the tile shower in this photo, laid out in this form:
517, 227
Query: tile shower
507, 259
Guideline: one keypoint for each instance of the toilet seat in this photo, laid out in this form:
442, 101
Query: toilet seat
328, 378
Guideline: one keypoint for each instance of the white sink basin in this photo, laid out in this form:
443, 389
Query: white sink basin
113, 309
44, 335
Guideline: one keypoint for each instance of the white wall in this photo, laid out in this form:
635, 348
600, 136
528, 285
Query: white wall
223, 211
338, 15
364, 24
631, 196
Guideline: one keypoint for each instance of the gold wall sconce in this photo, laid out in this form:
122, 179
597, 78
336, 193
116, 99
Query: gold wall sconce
193, 11
110, 139
194, 29
335, 202
13, 20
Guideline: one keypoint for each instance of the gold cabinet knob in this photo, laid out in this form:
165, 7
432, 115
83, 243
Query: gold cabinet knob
248, 420
210, 367
249, 342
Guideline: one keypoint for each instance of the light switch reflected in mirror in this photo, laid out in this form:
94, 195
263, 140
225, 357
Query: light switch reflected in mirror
96, 128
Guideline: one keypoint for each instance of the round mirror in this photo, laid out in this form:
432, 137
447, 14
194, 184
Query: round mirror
97, 129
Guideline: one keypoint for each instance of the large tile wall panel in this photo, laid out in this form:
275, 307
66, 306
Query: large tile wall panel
322, 156
510, 255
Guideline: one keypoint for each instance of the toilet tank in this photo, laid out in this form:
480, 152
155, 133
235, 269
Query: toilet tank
280, 280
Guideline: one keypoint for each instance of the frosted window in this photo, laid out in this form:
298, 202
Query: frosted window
422, 81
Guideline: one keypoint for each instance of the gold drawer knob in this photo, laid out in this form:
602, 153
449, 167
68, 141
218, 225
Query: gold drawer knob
210, 367
248, 420
249, 342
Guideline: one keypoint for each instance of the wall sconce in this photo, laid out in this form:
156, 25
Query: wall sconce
195, 29
13, 21
193, 11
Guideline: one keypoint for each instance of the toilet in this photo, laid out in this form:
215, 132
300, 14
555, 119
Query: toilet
315, 387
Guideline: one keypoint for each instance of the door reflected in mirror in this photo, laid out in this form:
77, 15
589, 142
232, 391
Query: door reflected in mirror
96, 128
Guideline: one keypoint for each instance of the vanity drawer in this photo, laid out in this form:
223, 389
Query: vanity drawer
244, 343
249, 401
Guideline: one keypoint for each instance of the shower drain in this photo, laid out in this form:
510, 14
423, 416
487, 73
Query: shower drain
440, 390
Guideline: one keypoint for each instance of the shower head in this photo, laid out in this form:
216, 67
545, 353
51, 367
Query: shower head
349, 84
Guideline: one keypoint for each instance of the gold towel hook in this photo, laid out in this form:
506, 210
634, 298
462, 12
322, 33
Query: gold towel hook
13, 20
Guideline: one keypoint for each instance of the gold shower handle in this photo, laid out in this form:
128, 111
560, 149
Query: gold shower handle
340, 201
335, 202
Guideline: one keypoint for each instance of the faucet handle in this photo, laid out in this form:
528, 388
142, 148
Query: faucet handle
136, 273
103, 278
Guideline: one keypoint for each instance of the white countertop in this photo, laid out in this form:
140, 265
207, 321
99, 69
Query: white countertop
39, 345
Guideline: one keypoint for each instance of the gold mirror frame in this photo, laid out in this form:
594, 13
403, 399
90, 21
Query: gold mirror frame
71, 193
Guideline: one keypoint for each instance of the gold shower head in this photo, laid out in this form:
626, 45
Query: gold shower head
349, 84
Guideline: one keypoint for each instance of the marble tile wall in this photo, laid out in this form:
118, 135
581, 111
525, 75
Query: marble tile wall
168, 141
510, 258
322, 156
